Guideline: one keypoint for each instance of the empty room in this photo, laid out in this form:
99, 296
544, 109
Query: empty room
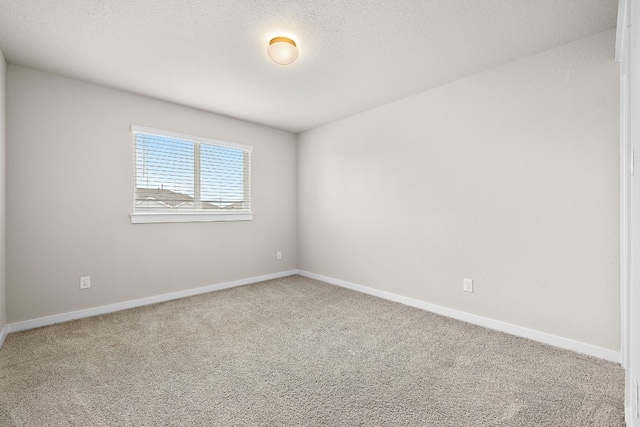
327, 213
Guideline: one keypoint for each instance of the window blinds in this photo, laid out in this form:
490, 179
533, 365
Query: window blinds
182, 173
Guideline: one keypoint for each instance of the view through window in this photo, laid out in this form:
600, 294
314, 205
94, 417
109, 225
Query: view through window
177, 172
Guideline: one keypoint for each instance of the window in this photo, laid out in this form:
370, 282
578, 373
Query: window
185, 178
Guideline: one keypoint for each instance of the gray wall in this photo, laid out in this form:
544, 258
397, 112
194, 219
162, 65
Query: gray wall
3, 300
509, 177
70, 189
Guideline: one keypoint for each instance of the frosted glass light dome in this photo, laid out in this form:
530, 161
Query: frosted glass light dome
282, 50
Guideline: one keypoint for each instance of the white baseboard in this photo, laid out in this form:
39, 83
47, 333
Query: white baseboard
542, 337
486, 322
628, 417
3, 334
111, 308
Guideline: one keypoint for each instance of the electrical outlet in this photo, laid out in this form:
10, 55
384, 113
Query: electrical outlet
85, 282
278, 255
468, 285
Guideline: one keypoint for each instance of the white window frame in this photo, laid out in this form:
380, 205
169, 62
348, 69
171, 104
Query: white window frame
141, 217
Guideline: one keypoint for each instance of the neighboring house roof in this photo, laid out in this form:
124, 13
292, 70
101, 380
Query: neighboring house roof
160, 198
167, 197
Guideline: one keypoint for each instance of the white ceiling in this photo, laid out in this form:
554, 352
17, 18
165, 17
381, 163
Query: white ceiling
354, 54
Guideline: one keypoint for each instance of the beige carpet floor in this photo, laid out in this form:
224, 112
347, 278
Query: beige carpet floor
296, 352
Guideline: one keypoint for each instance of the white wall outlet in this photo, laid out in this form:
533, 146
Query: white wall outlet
278, 255
468, 285
85, 282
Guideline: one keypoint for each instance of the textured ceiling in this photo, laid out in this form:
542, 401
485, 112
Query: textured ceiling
354, 54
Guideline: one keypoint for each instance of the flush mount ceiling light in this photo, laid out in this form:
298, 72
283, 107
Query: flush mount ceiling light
282, 50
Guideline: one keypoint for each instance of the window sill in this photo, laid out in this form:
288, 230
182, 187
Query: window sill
161, 217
